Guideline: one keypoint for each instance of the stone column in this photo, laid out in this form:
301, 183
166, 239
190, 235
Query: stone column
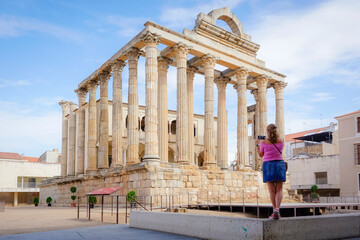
65, 106
132, 154
151, 121
71, 141
103, 153
279, 96
91, 148
16, 194
242, 119
79, 167
182, 124
163, 65
222, 141
256, 157
262, 88
117, 114
209, 148
190, 79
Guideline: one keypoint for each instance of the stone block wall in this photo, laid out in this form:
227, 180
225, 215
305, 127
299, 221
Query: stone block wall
184, 182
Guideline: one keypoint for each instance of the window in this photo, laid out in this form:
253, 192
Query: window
357, 154
321, 177
358, 124
250, 159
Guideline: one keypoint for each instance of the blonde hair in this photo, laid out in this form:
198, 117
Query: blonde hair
273, 135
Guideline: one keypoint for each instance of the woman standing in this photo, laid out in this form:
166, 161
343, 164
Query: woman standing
274, 170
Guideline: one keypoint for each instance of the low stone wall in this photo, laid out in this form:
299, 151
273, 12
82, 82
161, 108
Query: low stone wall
215, 227
185, 182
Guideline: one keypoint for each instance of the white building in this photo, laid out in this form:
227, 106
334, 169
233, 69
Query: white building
20, 175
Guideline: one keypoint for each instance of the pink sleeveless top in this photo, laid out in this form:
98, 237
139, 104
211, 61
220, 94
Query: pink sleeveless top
270, 151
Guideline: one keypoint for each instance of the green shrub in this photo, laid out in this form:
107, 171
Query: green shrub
73, 197
314, 188
48, 200
73, 189
36, 201
92, 199
131, 196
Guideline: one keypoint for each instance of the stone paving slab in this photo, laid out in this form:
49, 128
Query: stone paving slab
113, 231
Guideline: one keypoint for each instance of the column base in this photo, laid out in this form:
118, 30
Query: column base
150, 160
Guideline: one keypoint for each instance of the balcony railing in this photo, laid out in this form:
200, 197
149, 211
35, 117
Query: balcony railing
27, 185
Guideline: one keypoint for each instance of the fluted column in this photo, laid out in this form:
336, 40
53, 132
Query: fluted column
256, 157
117, 113
65, 106
132, 154
262, 88
242, 119
103, 153
182, 124
71, 141
222, 149
209, 148
91, 146
279, 96
80, 154
151, 121
163, 65
190, 80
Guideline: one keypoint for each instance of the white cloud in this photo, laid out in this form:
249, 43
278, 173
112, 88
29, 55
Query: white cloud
15, 83
180, 17
25, 130
12, 26
321, 97
127, 27
305, 44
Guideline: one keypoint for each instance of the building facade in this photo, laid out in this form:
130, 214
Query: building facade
20, 177
349, 146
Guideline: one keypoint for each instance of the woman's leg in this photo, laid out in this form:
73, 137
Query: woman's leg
272, 192
279, 193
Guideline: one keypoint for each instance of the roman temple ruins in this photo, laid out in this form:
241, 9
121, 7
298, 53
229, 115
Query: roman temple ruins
153, 150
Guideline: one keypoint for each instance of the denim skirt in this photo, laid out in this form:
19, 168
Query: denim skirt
274, 171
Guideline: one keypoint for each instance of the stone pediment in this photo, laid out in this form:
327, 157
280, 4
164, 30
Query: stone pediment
205, 26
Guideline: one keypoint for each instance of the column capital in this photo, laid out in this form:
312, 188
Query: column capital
279, 86
65, 105
262, 80
81, 93
164, 62
104, 77
221, 82
92, 85
181, 49
118, 66
190, 71
256, 94
209, 60
133, 53
151, 38
241, 75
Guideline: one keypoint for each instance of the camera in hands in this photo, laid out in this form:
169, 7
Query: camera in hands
261, 137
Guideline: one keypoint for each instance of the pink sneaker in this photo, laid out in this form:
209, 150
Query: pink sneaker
276, 214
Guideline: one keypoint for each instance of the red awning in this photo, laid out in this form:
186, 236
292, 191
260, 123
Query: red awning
104, 191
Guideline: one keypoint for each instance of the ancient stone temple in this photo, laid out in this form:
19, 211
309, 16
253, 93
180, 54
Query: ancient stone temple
155, 151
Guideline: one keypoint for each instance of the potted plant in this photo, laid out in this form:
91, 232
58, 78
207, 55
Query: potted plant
314, 195
131, 197
36, 201
92, 201
73, 197
48, 201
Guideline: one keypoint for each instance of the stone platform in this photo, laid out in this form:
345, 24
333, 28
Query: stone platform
337, 226
193, 184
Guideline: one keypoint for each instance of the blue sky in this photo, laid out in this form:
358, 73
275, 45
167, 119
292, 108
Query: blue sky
48, 47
